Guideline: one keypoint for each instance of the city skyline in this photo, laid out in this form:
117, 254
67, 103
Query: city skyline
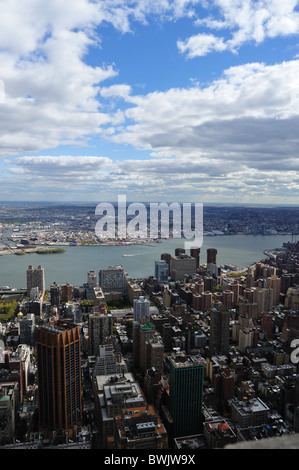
176, 100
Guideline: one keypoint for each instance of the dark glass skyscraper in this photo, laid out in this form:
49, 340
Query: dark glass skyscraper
186, 394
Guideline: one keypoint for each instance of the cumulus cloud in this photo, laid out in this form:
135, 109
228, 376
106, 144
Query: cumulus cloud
243, 21
201, 45
245, 95
228, 134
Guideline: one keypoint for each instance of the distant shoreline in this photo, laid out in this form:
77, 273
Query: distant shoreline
39, 251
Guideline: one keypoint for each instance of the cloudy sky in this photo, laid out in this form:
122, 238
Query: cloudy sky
165, 100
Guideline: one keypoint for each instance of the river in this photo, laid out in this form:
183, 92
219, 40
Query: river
73, 265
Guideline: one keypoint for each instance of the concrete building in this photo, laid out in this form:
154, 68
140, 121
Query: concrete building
100, 325
27, 329
8, 407
115, 393
66, 292
211, 256
218, 434
35, 279
112, 280
182, 265
141, 308
132, 289
108, 362
249, 412
55, 295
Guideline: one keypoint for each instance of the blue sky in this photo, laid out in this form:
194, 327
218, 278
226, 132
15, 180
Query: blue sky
170, 100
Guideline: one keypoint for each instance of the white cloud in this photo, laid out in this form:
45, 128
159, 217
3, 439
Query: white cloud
176, 118
201, 45
239, 131
244, 20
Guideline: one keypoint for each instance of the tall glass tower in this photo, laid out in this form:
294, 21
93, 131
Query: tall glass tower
186, 394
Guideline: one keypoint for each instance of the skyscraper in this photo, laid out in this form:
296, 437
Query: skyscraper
100, 325
211, 255
35, 278
55, 295
91, 279
59, 377
141, 308
186, 393
195, 253
219, 330
66, 293
112, 279
161, 271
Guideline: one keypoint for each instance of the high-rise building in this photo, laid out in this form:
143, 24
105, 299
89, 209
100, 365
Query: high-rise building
219, 330
228, 298
186, 394
27, 329
112, 280
182, 265
115, 393
66, 293
195, 253
55, 295
109, 362
142, 333
91, 279
59, 377
161, 271
211, 255
206, 301
100, 325
141, 308
166, 257
35, 279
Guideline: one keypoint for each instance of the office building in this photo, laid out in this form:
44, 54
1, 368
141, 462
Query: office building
219, 330
59, 377
9, 398
132, 289
91, 280
166, 257
249, 412
109, 362
55, 295
27, 329
161, 271
112, 280
100, 325
142, 333
181, 266
117, 391
186, 394
35, 279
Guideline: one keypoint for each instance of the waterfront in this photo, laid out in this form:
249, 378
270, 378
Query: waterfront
139, 260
